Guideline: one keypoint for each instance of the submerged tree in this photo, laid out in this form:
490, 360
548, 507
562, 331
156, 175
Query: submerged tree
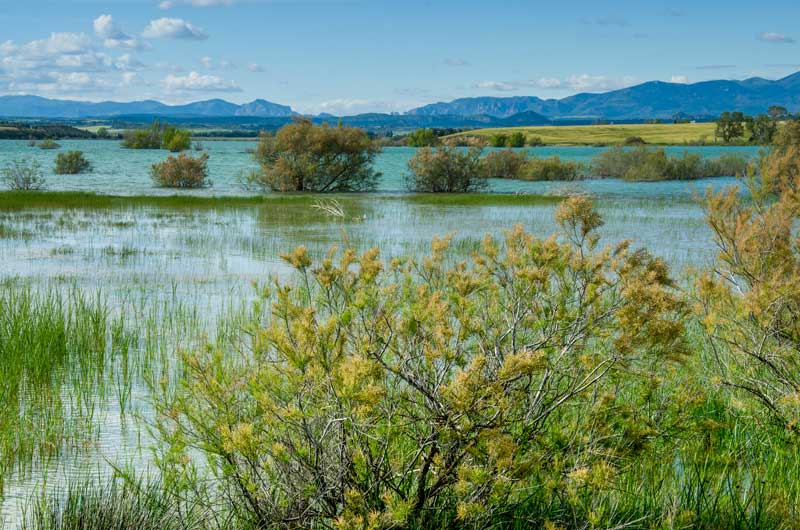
403, 394
305, 157
446, 170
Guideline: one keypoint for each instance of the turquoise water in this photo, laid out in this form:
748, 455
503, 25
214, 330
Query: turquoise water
125, 171
151, 262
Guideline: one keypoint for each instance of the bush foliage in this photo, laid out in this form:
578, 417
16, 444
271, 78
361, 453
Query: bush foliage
23, 175
182, 171
305, 157
645, 164
446, 169
72, 163
158, 136
415, 392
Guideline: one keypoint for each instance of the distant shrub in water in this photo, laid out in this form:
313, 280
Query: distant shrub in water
506, 164
143, 138
182, 171
23, 175
48, 144
644, 164
498, 140
535, 141
446, 169
423, 138
634, 140
552, 168
176, 140
158, 136
71, 163
306, 157
517, 139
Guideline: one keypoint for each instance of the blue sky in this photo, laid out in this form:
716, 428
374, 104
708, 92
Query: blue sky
351, 56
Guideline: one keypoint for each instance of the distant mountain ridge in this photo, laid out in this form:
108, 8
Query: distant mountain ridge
39, 107
654, 99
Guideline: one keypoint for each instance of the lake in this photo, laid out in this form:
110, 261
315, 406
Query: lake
171, 277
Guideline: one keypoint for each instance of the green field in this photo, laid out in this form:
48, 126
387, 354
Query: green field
660, 134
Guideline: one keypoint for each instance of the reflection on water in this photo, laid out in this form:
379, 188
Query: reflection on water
176, 273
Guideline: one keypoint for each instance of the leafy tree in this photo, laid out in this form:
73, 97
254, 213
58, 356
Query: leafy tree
517, 139
71, 163
182, 171
446, 169
175, 140
505, 164
49, 143
762, 129
777, 112
423, 138
730, 126
420, 393
498, 140
23, 175
305, 157
780, 168
143, 138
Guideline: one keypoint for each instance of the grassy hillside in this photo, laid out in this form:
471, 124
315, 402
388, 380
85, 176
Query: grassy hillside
665, 134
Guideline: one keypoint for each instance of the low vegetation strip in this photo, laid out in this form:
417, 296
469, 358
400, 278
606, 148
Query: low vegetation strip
658, 134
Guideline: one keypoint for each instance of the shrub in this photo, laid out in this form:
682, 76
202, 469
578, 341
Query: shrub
634, 140
506, 164
176, 140
749, 301
446, 169
423, 138
498, 140
48, 143
71, 163
143, 138
781, 164
535, 141
158, 136
643, 164
552, 168
23, 175
305, 157
517, 139
182, 171
431, 393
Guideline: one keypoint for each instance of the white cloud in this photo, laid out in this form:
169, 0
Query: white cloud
131, 79
351, 106
255, 67
114, 37
771, 36
210, 64
455, 61
173, 28
599, 82
127, 62
549, 82
194, 82
679, 78
56, 44
499, 86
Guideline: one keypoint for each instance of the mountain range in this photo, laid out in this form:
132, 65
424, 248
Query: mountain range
654, 99
39, 107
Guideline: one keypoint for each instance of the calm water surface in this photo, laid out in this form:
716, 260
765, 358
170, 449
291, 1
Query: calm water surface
150, 262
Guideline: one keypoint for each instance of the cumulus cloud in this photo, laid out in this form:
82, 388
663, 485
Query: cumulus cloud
351, 106
210, 64
255, 68
575, 82
680, 79
127, 62
173, 28
195, 82
498, 86
771, 36
114, 37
